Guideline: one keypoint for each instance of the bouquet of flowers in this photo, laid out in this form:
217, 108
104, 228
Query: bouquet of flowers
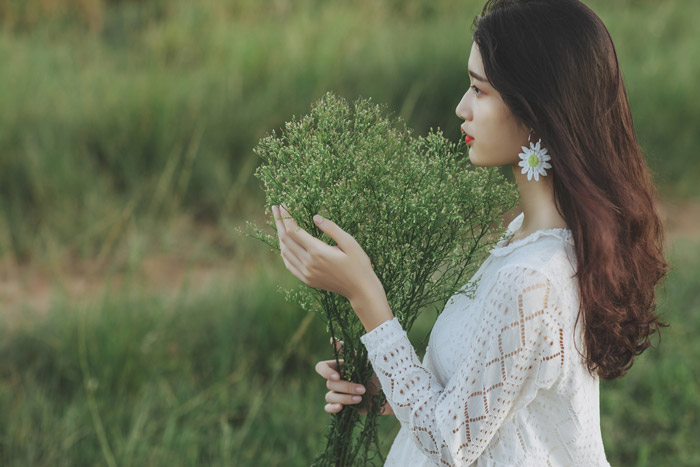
423, 215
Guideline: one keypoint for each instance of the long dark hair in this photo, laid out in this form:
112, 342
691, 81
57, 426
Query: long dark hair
555, 66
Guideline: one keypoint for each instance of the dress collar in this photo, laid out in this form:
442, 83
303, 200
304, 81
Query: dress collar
501, 249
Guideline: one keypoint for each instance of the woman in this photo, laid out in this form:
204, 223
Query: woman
510, 376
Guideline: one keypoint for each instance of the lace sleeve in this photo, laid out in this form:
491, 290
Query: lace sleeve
518, 349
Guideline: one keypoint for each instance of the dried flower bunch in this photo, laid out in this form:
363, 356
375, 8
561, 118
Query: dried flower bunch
422, 213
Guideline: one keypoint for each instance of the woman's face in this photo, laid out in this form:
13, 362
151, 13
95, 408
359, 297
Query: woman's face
493, 133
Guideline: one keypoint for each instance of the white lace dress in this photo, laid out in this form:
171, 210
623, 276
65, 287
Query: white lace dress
502, 382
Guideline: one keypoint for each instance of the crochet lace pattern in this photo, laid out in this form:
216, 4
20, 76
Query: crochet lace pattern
502, 381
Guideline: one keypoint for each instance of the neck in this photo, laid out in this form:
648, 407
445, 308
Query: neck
537, 202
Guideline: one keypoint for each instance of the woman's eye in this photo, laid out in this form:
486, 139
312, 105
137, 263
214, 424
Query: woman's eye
477, 91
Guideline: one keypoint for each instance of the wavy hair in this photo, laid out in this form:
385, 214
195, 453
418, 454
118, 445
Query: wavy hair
555, 66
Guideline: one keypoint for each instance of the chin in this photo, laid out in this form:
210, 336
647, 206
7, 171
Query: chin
475, 160
489, 162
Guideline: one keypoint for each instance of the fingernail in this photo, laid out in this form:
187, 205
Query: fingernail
318, 219
335, 377
359, 389
356, 398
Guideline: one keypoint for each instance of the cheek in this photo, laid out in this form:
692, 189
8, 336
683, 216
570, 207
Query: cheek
503, 151
501, 138
511, 137
498, 133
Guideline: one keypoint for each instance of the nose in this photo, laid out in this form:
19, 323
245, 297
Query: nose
463, 109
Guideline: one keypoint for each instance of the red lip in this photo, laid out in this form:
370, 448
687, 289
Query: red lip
467, 139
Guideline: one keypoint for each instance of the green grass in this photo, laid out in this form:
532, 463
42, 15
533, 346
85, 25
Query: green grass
171, 380
154, 107
652, 415
226, 377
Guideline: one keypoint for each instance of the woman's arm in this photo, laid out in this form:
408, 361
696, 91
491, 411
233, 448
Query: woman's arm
518, 349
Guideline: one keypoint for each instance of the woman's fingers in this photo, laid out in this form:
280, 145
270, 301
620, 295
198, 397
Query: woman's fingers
342, 238
291, 259
293, 249
333, 397
291, 252
328, 369
299, 235
279, 225
288, 237
297, 257
341, 392
345, 387
333, 408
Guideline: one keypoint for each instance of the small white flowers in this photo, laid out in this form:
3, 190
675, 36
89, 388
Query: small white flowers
534, 161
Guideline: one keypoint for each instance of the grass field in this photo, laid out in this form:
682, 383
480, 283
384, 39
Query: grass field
139, 329
225, 377
148, 110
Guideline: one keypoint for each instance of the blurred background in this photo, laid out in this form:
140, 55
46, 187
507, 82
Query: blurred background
139, 328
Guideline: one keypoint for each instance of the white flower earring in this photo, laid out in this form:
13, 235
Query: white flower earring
534, 160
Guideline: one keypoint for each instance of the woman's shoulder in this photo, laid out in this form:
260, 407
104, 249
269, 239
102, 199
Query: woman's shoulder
545, 257
536, 284
520, 271
549, 252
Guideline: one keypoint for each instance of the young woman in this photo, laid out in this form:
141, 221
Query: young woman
510, 376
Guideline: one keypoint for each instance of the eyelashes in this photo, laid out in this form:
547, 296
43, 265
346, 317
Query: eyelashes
476, 90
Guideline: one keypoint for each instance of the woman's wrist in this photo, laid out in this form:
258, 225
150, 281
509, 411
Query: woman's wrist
372, 307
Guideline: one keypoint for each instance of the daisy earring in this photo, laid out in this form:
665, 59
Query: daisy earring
534, 160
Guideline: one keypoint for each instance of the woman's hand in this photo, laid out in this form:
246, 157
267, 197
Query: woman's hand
344, 393
344, 269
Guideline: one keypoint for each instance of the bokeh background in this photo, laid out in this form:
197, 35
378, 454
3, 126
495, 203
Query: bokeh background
138, 327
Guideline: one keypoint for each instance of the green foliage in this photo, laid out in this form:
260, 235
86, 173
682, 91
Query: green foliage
193, 366
652, 415
157, 105
421, 213
169, 380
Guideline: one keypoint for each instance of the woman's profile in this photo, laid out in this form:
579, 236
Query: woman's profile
567, 296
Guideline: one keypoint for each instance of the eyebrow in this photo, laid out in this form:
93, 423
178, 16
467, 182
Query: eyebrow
478, 77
